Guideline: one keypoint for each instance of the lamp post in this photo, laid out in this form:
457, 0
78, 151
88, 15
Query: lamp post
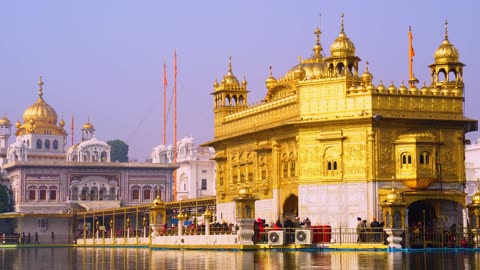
144, 224
207, 216
97, 227
128, 227
111, 228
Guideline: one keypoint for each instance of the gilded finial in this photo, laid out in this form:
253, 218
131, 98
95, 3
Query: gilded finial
299, 60
446, 29
393, 183
342, 27
317, 33
271, 74
366, 66
229, 64
40, 87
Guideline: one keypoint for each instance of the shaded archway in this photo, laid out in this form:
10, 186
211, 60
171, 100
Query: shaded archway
423, 211
290, 206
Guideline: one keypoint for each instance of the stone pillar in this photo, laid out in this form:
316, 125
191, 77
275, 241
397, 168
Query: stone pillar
394, 237
245, 208
394, 209
245, 231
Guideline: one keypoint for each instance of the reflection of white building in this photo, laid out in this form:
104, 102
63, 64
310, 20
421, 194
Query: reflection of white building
46, 182
196, 176
472, 169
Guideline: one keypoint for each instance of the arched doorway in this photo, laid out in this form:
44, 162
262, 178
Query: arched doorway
290, 206
421, 211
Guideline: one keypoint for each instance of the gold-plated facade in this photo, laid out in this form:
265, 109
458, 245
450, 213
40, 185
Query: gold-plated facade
326, 126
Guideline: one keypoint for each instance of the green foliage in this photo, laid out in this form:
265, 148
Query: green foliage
3, 199
119, 151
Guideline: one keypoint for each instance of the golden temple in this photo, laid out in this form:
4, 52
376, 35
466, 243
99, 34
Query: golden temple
326, 142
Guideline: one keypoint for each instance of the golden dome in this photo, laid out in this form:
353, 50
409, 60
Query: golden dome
402, 89
18, 124
414, 89
4, 121
352, 89
229, 80
370, 88
476, 197
361, 88
424, 89
87, 125
367, 77
158, 201
342, 46
61, 123
299, 73
381, 88
391, 88
313, 67
40, 111
446, 52
270, 82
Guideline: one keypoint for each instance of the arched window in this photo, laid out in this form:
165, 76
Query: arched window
32, 192
329, 166
406, 160
334, 165
55, 144
424, 159
42, 193
147, 193
39, 144
47, 144
292, 168
135, 193
103, 156
53, 193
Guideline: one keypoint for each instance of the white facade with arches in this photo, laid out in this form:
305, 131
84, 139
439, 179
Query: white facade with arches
196, 176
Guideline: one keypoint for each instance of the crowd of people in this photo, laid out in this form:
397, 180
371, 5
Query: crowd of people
367, 233
260, 228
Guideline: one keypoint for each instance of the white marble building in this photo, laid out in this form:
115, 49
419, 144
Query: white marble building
46, 182
472, 168
196, 176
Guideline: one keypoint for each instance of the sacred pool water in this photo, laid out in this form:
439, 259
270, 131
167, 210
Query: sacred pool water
143, 258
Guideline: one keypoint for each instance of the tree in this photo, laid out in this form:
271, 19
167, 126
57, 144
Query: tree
3, 199
119, 151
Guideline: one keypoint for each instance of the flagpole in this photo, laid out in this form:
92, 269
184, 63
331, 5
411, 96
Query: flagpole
411, 54
164, 140
175, 124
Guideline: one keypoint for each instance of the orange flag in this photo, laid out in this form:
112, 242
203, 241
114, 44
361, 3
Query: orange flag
410, 40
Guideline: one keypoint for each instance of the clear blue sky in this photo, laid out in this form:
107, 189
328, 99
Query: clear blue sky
104, 59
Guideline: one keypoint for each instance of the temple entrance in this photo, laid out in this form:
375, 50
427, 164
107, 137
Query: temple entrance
421, 211
290, 207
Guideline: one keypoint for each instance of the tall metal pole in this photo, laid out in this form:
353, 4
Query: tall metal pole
175, 125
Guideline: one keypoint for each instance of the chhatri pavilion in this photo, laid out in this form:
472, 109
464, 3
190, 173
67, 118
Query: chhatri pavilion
328, 144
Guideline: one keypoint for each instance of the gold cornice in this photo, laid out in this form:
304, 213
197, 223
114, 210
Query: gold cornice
453, 195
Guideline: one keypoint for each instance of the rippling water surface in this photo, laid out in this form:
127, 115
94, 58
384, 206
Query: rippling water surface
141, 258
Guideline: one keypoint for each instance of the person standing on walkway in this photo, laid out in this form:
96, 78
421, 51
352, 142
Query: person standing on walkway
36, 238
53, 237
360, 229
375, 225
